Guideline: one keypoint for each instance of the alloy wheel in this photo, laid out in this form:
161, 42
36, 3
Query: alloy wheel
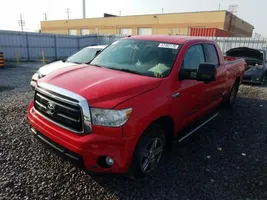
151, 155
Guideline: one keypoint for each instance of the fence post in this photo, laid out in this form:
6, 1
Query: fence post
17, 56
43, 56
78, 43
223, 49
55, 44
27, 46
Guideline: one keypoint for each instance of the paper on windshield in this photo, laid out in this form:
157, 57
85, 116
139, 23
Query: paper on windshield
168, 46
159, 69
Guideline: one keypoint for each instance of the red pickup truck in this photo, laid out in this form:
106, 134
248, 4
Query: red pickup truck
118, 113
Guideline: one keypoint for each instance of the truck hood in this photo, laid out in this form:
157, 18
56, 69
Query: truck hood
245, 52
103, 88
46, 69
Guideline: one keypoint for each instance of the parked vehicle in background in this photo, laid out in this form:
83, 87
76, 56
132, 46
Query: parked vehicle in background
118, 114
83, 56
256, 71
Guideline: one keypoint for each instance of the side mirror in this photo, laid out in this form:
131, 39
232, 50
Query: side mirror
206, 73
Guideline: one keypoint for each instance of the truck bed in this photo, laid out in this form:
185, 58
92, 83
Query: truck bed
230, 60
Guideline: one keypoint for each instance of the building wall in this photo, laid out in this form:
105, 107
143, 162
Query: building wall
238, 26
175, 23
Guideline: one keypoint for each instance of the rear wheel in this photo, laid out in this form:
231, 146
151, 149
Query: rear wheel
148, 152
230, 101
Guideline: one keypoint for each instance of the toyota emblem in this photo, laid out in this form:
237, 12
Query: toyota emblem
51, 108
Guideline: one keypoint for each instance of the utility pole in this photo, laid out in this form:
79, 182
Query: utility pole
120, 13
68, 13
220, 6
233, 9
21, 22
84, 9
162, 10
45, 15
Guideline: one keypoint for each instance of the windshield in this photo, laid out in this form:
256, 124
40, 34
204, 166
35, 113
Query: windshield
142, 57
83, 56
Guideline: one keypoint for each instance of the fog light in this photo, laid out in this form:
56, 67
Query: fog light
257, 79
109, 161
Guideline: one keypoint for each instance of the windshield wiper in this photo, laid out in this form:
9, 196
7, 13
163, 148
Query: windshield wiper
95, 65
125, 70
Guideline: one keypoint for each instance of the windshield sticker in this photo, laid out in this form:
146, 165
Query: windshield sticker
168, 46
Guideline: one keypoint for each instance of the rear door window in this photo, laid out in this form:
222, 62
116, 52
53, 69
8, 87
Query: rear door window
211, 54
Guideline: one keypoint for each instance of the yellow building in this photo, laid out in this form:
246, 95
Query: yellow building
172, 23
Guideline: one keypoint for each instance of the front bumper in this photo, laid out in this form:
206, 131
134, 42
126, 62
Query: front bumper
252, 81
87, 148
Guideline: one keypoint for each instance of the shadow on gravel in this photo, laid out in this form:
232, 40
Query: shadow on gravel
6, 88
226, 159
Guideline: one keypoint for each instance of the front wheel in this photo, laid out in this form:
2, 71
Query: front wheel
148, 152
263, 79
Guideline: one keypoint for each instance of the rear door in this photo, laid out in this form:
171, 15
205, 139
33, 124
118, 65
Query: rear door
214, 90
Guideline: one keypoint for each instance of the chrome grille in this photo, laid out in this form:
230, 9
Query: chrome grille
61, 109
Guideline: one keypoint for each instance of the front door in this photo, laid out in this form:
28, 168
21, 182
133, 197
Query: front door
191, 91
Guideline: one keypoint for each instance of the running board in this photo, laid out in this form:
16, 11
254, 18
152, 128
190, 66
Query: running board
198, 127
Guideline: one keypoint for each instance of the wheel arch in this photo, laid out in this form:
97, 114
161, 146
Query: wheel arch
168, 126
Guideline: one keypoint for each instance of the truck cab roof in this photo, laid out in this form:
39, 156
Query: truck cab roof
170, 38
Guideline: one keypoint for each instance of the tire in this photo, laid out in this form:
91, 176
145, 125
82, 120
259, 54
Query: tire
230, 101
148, 152
263, 79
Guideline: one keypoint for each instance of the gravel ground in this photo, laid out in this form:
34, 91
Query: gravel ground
226, 159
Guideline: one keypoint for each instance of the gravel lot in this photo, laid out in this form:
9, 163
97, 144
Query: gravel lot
226, 159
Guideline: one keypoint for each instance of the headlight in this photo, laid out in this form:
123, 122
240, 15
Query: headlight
35, 77
111, 118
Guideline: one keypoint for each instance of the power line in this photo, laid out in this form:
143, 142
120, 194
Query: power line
21, 22
68, 13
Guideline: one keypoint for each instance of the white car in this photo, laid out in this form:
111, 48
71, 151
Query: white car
83, 56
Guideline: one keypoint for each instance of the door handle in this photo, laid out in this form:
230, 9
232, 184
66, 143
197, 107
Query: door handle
176, 95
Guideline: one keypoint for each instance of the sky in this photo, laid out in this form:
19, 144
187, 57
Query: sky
252, 11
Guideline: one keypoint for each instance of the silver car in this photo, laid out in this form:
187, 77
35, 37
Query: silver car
83, 56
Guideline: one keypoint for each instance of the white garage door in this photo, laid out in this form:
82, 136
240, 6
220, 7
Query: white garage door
85, 32
144, 31
126, 31
72, 32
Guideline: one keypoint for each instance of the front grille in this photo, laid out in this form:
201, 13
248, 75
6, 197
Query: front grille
66, 115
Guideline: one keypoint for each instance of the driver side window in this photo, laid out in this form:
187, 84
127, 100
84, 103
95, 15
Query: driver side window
193, 58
